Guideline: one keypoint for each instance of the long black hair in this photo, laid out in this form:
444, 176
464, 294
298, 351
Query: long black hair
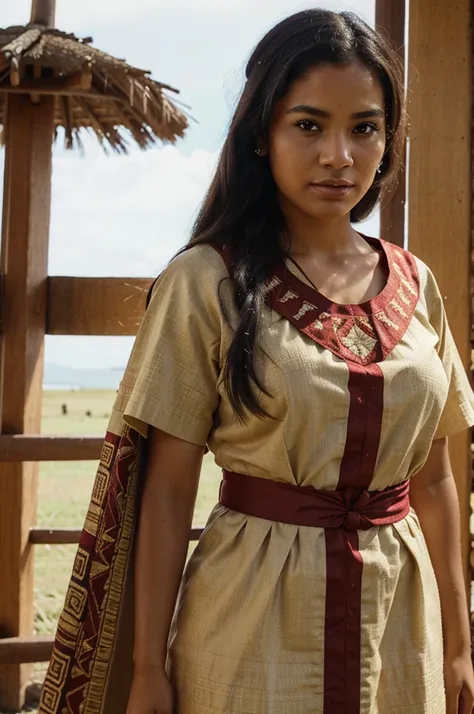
241, 208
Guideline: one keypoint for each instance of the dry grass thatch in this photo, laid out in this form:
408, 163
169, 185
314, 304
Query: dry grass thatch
92, 90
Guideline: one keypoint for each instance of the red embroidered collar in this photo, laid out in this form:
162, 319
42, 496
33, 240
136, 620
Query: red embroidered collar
362, 333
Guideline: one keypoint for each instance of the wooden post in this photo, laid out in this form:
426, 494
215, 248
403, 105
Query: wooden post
390, 20
439, 199
25, 232
43, 12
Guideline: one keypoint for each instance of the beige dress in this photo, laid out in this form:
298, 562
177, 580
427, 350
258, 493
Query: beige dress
358, 394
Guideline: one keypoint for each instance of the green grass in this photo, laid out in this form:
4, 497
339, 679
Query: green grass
64, 490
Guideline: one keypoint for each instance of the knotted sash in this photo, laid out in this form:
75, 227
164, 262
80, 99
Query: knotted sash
348, 508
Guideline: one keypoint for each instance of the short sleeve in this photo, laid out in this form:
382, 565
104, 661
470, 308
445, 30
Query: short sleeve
170, 382
458, 412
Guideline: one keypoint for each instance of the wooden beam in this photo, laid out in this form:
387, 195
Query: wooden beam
18, 650
55, 536
95, 306
74, 84
28, 447
24, 261
68, 536
440, 179
390, 19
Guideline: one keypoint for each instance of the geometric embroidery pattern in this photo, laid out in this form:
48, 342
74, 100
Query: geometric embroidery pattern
358, 341
80, 564
75, 600
78, 670
364, 333
107, 454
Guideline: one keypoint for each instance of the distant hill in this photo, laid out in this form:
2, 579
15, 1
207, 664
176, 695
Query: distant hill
60, 377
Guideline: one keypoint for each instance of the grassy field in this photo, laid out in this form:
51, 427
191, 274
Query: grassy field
64, 490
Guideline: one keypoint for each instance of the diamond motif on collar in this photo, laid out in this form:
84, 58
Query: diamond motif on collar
358, 342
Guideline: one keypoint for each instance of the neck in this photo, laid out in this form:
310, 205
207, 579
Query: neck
308, 235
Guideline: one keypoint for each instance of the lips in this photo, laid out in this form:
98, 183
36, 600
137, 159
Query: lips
332, 189
334, 183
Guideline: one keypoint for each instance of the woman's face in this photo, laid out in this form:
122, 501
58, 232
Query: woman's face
326, 140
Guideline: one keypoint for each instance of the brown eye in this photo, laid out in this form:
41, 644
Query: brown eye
307, 125
366, 128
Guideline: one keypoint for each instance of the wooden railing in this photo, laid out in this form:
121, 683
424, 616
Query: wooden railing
21, 447
75, 306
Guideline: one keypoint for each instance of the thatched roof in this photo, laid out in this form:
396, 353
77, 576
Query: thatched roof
92, 89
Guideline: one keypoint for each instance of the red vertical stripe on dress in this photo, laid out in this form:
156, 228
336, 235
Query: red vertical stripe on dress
344, 565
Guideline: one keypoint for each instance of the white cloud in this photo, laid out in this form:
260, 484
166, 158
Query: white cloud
124, 216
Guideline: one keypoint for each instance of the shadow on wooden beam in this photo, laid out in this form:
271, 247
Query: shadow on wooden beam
95, 306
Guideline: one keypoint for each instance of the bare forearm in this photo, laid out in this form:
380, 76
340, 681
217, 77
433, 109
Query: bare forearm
162, 544
437, 508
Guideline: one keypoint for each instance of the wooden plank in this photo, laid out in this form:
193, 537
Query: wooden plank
67, 536
24, 261
73, 305
18, 650
439, 202
82, 82
390, 19
55, 536
28, 447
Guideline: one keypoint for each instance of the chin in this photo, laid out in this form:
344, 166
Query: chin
333, 209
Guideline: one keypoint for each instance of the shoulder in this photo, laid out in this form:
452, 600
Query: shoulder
428, 283
196, 272
192, 283
199, 263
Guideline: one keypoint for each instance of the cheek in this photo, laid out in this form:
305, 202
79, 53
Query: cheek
374, 152
289, 159
368, 157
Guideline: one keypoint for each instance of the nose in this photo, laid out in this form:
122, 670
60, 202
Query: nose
335, 151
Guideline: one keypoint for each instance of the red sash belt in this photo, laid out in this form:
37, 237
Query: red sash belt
349, 508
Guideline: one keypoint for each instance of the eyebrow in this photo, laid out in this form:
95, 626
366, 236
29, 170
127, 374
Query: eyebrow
306, 109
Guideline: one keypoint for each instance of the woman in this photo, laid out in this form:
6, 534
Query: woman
318, 366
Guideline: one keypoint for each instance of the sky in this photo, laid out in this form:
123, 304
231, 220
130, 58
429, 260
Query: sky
127, 216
